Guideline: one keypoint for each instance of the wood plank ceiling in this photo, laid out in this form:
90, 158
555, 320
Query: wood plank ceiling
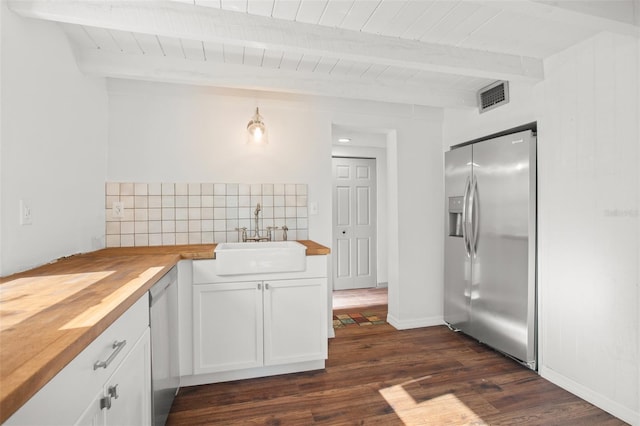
424, 52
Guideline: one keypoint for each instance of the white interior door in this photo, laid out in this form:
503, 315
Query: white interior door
354, 223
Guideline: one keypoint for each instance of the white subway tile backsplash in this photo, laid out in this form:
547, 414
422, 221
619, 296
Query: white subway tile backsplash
155, 189
182, 226
127, 227
112, 188
219, 201
219, 189
168, 239
195, 189
168, 189
127, 201
141, 240
154, 201
182, 213
141, 227
168, 226
182, 201
219, 213
193, 213
141, 189
244, 189
113, 240
127, 240
195, 226
155, 227
290, 189
110, 199
155, 214
233, 189
182, 189
126, 189
168, 213
141, 214
207, 189
206, 213
113, 228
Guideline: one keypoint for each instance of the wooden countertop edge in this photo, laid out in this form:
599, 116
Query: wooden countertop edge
13, 397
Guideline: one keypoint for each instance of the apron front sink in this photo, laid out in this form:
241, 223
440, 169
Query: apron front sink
263, 257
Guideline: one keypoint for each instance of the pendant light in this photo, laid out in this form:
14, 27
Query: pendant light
257, 130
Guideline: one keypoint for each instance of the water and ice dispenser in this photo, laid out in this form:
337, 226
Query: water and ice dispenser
455, 216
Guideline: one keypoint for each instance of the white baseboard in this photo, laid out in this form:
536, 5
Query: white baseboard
624, 413
414, 322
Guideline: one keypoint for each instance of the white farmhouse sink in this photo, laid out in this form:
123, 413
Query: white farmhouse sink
263, 257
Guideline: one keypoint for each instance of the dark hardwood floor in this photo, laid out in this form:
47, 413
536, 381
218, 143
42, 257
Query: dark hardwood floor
377, 375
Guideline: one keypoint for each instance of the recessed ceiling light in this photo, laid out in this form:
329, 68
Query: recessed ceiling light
344, 140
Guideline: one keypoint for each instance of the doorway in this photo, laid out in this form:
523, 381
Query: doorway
354, 223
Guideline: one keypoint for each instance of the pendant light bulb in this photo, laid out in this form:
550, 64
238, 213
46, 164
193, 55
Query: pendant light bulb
257, 130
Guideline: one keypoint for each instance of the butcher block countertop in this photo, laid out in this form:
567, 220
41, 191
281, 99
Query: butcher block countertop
49, 314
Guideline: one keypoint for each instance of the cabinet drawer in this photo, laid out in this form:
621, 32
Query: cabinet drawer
65, 397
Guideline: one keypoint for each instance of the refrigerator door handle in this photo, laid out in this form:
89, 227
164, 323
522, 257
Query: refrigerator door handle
465, 202
475, 211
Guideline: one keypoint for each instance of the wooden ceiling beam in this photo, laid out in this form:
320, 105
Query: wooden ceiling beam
188, 21
172, 70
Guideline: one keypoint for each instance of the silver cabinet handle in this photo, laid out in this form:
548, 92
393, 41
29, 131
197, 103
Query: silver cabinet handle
266, 286
118, 346
113, 391
465, 201
259, 286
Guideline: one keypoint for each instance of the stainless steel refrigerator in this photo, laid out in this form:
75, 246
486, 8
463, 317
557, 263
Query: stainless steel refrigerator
490, 243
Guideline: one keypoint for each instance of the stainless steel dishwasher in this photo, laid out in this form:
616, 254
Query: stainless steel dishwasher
165, 365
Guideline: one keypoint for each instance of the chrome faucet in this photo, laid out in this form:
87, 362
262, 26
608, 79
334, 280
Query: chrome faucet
256, 236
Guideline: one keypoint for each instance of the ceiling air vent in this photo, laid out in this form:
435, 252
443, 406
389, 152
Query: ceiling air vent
493, 96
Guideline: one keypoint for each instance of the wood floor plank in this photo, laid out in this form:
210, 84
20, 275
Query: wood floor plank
377, 375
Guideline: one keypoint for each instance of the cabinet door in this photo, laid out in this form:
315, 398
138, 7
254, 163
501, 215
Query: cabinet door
94, 414
130, 387
227, 326
295, 320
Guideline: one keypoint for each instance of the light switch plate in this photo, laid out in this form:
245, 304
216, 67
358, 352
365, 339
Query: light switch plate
313, 208
26, 215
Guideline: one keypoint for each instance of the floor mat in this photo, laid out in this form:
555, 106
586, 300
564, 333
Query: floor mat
358, 319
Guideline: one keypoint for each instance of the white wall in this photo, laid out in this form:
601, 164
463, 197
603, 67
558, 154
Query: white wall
462, 125
53, 146
588, 191
162, 132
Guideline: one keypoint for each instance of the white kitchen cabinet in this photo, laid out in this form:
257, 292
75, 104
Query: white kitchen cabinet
227, 326
126, 397
252, 325
294, 320
75, 395
129, 388
93, 415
